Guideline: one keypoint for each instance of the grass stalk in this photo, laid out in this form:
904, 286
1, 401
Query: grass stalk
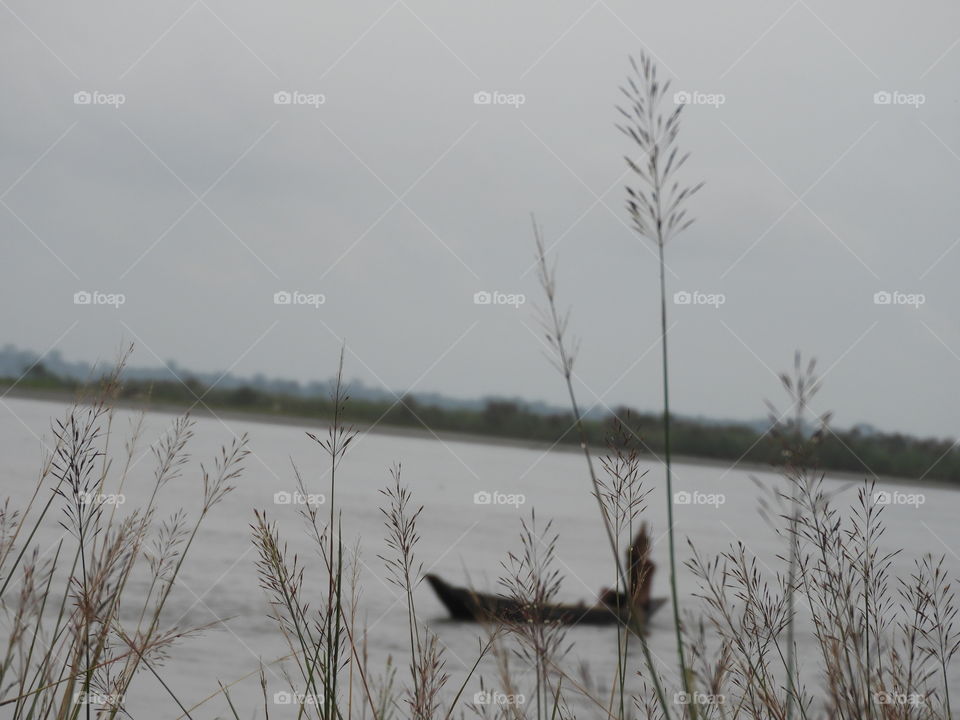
657, 208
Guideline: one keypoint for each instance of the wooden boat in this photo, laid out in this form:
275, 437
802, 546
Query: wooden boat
612, 607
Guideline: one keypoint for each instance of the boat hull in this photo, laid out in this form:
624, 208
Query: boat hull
467, 605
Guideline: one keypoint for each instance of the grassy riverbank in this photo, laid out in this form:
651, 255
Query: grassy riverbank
842, 451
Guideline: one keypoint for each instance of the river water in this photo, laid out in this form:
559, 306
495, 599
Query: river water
460, 539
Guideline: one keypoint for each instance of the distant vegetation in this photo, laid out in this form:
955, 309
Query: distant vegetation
853, 450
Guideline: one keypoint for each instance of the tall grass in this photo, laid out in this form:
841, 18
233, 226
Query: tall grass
72, 650
658, 209
755, 664
883, 653
799, 450
324, 642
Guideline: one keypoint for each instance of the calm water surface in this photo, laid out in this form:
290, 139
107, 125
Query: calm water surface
459, 539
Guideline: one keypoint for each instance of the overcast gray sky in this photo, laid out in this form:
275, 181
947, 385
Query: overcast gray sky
398, 197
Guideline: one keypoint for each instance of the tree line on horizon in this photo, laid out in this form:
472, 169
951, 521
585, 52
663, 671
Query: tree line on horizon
852, 450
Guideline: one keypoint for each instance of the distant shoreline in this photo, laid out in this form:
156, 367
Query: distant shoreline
67, 397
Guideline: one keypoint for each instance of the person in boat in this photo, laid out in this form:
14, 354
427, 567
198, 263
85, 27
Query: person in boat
640, 569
